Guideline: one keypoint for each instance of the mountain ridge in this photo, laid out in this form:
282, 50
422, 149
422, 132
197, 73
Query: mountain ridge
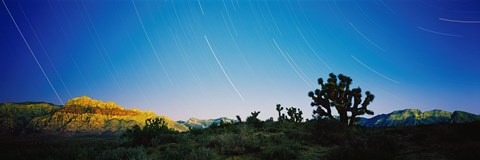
86, 116
205, 123
79, 116
410, 117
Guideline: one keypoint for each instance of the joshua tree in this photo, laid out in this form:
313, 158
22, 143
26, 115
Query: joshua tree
239, 119
155, 128
298, 116
279, 109
253, 119
337, 94
295, 114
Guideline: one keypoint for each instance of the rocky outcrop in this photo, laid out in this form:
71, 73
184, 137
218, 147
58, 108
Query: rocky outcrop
79, 116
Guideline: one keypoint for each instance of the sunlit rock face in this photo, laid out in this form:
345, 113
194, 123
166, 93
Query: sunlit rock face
79, 116
84, 115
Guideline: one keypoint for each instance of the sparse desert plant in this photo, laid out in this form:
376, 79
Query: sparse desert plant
294, 114
239, 119
269, 120
279, 110
253, 120
336, 93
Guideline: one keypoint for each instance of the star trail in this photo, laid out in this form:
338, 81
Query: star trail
210, 59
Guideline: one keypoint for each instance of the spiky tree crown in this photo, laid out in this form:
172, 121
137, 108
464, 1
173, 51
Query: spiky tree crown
337, 93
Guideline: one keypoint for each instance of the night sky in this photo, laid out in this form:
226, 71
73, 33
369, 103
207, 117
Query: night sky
209, 59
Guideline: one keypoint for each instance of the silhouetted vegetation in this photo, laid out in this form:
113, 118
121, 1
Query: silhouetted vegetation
336, 93
239, 119
312, 139
253, 120
155, 132
290, 137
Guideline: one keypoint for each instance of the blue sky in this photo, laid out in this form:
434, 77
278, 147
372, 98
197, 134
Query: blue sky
209, 59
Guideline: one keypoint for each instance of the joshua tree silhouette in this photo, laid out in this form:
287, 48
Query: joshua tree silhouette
336, 93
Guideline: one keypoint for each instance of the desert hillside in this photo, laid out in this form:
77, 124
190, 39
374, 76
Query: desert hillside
79, 116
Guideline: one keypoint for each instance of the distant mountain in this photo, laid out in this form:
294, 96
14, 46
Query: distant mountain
79, 116
410, 117
463, 117
85, 116
201, 124
16, 117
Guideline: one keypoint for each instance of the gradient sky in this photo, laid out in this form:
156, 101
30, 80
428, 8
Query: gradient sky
209, 59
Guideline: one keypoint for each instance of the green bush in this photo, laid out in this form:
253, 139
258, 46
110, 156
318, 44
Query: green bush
183, 151
236, 144
279, 147
202, 153
174, 151
231, 144
279, 152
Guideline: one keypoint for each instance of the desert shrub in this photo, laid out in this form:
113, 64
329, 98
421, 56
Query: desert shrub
222, 128
222, 124
254, 121
326, 132
279, 152
269, 120
370, 145
295, 131
155, 132
195, 131
271, 127
231, 144
176, 151
186, 150
383, 146
235, 144
135, 153
53, 147
201, 153
164, 138
279, 147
